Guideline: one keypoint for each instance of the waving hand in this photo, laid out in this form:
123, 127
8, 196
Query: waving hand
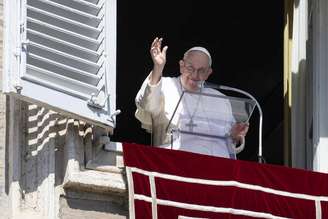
158, 56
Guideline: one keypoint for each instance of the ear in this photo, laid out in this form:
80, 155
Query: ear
181, 63
210, 71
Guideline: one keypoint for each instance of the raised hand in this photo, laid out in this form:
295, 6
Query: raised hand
158, 56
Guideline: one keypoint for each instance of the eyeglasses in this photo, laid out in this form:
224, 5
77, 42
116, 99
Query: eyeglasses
201, 71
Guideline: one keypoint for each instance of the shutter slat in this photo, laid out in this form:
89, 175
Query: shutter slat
81, 89
62, 69
67, 12
92, 1
63, 22
64, 46
81, 5
63, 58
63, 34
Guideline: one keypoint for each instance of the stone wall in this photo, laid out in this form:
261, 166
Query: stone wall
50, 167
47, 172
3, 188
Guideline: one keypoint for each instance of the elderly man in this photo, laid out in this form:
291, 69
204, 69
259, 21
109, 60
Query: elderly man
158, 97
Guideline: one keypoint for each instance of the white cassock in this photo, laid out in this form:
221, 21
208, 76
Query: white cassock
196, 114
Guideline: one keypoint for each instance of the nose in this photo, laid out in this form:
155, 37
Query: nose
195, 75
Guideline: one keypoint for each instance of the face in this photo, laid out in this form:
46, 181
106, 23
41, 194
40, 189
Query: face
194, 68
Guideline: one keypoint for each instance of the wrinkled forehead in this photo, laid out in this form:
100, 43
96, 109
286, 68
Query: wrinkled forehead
199, 51
197, 58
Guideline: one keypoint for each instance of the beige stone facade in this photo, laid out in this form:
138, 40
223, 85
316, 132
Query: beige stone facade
55, 167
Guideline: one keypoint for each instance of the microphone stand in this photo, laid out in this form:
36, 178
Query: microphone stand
222, 87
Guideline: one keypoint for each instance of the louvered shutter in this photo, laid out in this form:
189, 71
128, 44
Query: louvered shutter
62, 54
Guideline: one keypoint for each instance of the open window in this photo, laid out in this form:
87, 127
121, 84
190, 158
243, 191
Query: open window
62, 54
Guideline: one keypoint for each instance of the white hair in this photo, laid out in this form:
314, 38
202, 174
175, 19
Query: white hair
200, 49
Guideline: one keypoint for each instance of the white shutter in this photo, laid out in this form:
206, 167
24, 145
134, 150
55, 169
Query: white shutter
62, 54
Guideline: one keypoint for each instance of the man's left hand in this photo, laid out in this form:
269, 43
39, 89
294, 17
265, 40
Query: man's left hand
239, 131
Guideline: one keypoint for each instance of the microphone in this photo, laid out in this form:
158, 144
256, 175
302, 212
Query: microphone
223, 87
207, 84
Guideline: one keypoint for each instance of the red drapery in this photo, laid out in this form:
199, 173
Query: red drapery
176, 184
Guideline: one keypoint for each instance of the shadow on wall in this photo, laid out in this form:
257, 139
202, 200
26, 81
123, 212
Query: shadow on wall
43, 162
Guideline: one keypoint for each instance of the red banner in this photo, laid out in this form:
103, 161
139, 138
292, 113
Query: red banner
176, 184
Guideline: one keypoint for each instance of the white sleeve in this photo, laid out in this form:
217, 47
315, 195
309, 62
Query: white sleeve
149, 102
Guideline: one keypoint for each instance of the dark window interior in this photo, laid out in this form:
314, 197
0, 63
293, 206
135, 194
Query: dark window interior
245, 39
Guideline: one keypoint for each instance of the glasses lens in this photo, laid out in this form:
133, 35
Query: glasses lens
201, 71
